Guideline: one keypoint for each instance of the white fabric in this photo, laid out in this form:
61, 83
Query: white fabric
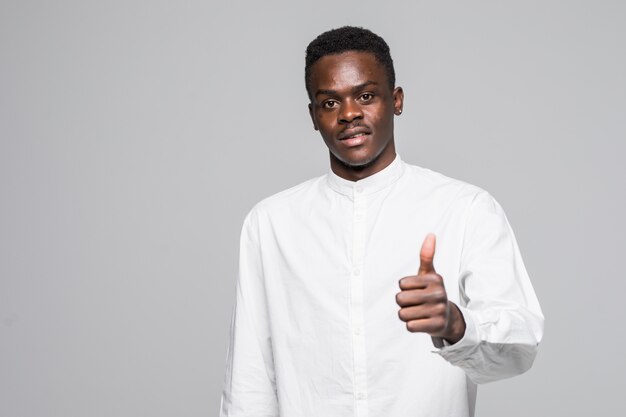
316, 331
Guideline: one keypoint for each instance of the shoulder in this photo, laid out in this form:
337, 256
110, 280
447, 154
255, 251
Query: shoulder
437, 186
286, 201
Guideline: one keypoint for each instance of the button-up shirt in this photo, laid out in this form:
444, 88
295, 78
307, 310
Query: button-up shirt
315, 330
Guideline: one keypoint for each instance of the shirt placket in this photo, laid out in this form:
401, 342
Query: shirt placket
358, 334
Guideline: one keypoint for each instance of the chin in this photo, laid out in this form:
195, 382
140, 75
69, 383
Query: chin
358, 164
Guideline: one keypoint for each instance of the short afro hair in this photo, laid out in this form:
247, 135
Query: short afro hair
348, 38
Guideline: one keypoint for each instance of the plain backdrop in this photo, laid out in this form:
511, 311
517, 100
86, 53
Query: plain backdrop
136, 135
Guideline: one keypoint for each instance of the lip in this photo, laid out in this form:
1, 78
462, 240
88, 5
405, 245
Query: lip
355, 141
355, 131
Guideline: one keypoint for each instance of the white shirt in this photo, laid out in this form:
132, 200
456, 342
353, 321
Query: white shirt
315, 330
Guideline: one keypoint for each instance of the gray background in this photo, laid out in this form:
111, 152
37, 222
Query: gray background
135, 136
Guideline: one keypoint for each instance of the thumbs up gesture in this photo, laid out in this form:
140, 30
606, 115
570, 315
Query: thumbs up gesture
423, 301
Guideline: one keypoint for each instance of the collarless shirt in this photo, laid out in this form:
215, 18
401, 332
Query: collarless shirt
315, 329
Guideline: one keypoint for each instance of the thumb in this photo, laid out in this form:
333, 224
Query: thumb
427, 254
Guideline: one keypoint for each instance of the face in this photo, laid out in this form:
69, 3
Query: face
353, 108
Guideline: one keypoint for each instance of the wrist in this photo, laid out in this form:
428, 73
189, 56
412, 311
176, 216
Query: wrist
456, 325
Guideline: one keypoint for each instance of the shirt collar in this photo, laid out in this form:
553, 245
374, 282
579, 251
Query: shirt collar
376, 182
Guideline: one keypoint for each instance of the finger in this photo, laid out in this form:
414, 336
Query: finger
427, 254
414, 313
417, 297
431, 325
416, 282
413, 282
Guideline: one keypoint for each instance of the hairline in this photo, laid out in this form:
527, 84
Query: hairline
378, 62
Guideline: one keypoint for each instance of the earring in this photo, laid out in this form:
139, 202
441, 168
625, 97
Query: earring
399, 112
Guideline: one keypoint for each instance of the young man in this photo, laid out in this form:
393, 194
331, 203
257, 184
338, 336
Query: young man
345, 306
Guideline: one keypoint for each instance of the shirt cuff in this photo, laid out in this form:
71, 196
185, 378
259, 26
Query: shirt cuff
469, 342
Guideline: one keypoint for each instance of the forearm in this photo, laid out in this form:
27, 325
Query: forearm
496, 344
250, 383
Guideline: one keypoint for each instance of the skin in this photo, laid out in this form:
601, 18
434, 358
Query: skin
350, 93
424, 302
353, 108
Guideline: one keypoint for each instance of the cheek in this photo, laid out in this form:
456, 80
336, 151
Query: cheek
381, 122
325, 123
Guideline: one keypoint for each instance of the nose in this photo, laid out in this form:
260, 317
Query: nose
350, 110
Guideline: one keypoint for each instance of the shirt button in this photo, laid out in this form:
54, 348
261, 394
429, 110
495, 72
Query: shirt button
357, 331
358, 216
359, 190
356, 271
360, 395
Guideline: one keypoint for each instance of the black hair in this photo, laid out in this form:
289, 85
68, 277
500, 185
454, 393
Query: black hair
348, 38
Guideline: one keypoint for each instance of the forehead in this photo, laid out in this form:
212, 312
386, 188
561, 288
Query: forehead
347, 69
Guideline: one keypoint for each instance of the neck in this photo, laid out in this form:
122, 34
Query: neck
359, 172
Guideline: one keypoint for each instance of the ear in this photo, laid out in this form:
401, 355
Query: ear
398, 100
311, 113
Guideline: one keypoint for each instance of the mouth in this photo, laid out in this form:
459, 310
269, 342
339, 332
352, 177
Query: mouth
354, 137
354, 140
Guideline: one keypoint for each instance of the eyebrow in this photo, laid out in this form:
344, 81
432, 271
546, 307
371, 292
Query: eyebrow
354, 89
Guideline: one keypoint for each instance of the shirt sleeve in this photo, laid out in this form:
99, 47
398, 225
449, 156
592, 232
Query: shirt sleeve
504, 322
249, 385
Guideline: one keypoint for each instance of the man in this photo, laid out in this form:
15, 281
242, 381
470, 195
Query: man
345, 305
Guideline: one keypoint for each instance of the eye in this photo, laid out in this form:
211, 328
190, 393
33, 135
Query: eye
365, 97
329, 104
